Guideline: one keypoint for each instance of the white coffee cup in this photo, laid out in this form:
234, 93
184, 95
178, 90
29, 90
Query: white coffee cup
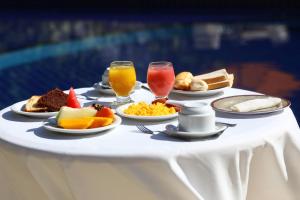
196, 117
105, 77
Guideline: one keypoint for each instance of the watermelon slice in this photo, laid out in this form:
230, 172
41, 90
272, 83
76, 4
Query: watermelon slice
72, 100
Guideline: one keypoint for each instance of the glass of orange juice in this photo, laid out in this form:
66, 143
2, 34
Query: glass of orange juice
122, 79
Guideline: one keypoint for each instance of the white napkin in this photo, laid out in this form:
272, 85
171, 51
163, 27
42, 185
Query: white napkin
256, 104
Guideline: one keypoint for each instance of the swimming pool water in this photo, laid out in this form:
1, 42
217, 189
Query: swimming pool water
40, 55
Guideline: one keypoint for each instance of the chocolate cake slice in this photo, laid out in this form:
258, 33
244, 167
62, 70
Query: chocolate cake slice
53, 100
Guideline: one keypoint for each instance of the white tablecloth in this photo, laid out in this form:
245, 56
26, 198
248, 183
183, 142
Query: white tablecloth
259, 159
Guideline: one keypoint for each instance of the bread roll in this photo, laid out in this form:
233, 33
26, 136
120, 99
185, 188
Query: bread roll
183, 81
198, 85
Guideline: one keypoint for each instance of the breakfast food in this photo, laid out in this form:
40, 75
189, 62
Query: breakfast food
213, 80
230, 79
72, 100
183, 80
83, 118
50, 102
169, 105
67, 113
105, 112
198, 85
144, 109
32, 105
53, 100
213, 77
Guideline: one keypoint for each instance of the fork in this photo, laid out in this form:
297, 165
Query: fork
86, 97
144, 129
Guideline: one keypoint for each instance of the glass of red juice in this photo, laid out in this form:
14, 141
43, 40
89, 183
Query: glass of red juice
160, 78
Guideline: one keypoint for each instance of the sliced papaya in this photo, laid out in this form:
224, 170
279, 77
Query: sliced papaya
105, 112
101, 121
76, 123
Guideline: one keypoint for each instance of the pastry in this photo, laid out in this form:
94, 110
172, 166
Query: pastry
53, 100
198, 85
183, 80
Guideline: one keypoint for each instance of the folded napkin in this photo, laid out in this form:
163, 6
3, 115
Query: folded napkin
256, 104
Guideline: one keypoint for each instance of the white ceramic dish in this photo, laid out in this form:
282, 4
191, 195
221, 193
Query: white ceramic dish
120, 111
51, 125
199, 93
175, 132
224, 105
105, 89
19, 109
196, 116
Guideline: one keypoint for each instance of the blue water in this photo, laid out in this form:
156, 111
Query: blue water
45, 54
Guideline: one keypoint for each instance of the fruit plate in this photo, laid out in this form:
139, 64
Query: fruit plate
19, 109
199, 93
51, 125
120, 111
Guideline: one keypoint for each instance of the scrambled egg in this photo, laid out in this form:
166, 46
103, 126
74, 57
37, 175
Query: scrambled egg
144, 109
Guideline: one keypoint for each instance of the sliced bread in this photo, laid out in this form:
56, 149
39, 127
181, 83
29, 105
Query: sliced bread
32, 105
213, 77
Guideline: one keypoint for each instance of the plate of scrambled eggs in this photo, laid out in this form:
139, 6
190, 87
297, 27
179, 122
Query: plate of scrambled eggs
144, 111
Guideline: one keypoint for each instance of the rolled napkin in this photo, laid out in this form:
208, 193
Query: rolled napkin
256, 104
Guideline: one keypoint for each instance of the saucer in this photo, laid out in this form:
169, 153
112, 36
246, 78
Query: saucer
19, 109
106, 89
175, 132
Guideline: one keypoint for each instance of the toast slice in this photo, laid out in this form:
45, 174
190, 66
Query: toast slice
231, 79
218, 85
221, 84
213, 77
32, 105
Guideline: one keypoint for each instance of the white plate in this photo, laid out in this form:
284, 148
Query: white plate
120, 111
99, 87
224, 105
51, 125
175, 132
199, 93
19, 109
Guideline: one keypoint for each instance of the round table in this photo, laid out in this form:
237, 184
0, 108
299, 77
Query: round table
257, 159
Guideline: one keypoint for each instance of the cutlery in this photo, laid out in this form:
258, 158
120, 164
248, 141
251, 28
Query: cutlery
105, 86
83, 96
144, 129
97, 85
227, 124
145, 87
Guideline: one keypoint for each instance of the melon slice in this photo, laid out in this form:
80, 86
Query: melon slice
71, 113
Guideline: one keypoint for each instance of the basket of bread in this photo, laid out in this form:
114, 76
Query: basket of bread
186, 81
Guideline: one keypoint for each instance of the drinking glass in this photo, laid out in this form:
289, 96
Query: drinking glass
160, 78
122, 79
